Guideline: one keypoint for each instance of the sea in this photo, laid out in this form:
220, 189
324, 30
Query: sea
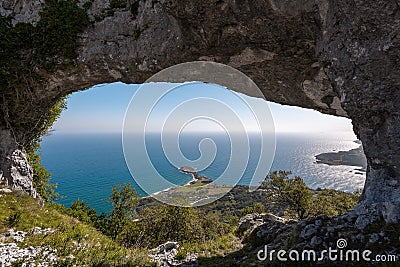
87, 166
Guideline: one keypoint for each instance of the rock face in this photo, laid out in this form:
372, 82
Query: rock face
360, 52
338, 57
21, 174
16, 173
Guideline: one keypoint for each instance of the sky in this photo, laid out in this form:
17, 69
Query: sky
101, 109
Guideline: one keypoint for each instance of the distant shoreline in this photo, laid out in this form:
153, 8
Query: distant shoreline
196, 178
353, 157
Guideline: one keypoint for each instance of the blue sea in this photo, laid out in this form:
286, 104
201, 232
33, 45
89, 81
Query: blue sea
87, 166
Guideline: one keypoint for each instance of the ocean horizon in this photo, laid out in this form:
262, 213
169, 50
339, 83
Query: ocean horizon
87, 166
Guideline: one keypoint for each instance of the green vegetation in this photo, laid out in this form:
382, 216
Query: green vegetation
300, 202
256, 208
24, 47
41, 177
155, 224
116, 4
124, 201
133, 226
160, 224
88, 246
27, 53
55, 35
88, 4
82, 211
14, 219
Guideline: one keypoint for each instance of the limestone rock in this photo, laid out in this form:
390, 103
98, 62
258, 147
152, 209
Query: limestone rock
164, 255
309, 230
366, 75
16, 236
22, 173
11, 250
253, 220
250, 221
11, 253
6, 190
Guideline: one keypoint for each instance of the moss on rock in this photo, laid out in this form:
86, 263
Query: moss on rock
27, 53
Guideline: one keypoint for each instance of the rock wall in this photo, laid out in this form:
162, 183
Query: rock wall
360, 52
319, 54
15, 171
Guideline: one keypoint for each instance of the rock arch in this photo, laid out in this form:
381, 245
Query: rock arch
338, 57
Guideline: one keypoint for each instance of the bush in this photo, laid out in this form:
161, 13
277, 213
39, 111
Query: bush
56, 31
256, 208
152, 225
158, 224
83, 212
332, 202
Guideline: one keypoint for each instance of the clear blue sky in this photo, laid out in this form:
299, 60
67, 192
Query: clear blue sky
102, 109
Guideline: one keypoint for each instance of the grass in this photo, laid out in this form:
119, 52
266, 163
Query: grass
87, 246
82, 245
220, 246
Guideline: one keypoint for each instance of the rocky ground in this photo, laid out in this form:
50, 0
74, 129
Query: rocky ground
341, 233
167, 255
12, 252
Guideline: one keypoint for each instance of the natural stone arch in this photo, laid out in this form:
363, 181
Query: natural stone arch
286, 47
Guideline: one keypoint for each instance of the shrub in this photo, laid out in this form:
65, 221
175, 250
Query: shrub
256, 208
83, 212
158, 224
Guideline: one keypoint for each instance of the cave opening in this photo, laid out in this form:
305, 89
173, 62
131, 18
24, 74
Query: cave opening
84, 150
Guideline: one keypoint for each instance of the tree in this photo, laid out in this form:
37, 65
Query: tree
124, 200
300, 202
289, 193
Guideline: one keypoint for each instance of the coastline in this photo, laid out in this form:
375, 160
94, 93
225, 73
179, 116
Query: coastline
195, 179
354, 157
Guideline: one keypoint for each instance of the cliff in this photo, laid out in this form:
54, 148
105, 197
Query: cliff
338, 57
